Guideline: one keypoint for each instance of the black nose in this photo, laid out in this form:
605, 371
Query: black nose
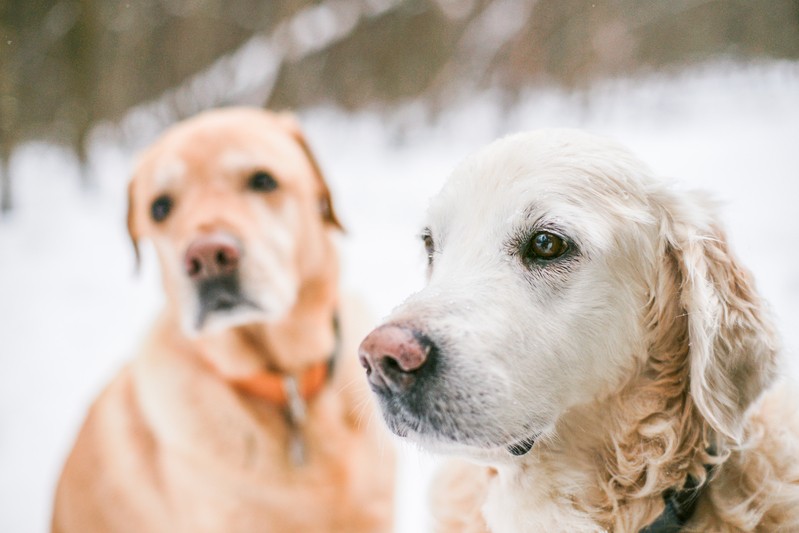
393, 356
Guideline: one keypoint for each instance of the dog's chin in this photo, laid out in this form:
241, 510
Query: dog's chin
463, 446
221, 320
198, 321
221, 303
488, 454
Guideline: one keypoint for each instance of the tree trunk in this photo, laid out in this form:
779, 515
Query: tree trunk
82, 153
6, 202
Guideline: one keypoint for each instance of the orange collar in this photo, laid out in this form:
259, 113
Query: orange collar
271, 386
285, 390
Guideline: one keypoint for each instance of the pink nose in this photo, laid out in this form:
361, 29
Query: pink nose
211, 255
393, 355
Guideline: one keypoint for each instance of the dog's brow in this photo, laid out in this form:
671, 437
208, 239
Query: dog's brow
237, 160
531, 210
535, 216
168, 171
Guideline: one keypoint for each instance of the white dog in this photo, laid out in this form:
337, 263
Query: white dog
587, 339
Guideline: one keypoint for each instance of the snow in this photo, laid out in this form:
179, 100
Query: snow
72, 311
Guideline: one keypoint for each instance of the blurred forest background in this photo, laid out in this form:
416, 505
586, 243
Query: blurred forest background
67, 66
391, 94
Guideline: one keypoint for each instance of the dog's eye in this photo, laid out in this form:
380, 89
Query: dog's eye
546, 246
161, 207
262, 181
429, 247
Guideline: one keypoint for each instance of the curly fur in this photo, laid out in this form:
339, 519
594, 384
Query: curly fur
690, 357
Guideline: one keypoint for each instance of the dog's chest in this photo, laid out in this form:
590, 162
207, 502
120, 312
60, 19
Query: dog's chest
260, 480
534, 504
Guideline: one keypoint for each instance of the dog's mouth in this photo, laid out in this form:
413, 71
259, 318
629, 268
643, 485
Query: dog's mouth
423, 434
221, 295
518, 448
521, 447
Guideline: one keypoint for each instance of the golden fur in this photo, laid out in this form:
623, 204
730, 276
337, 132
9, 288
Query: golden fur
171, 444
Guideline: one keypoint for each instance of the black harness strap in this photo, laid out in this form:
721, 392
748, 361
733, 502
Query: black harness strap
680, 506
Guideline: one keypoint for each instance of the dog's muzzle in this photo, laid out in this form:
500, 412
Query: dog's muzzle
403, 367
212, 263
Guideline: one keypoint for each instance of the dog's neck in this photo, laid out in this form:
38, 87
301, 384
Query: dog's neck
610, 464
304, 337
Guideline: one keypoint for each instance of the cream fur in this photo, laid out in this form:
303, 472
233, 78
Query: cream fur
627, 362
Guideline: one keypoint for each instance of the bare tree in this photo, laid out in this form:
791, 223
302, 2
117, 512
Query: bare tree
67, 64
8, 116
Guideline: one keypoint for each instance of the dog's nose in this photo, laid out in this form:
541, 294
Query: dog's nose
393, 355
211, 255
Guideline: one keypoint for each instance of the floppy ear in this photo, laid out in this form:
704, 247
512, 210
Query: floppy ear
731, 348
133, 230
289, 121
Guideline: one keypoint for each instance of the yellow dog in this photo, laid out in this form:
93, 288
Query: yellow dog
242, 410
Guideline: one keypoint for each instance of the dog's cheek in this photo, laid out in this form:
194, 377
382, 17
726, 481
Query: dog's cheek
269, 273
177, 286
170, 263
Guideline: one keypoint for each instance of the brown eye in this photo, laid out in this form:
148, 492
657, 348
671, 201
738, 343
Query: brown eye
545, 246
161, 207
262, 181
429, 247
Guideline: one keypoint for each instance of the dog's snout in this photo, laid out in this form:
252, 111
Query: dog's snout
211, 255
393, 356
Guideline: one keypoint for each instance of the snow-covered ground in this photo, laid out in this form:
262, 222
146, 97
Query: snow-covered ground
72, 311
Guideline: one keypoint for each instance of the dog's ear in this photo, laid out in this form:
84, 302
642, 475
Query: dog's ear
730, 346
133, 229
289, 121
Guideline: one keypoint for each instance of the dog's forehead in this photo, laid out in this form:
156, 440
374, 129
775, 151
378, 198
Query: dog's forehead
579, 178
223, 144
